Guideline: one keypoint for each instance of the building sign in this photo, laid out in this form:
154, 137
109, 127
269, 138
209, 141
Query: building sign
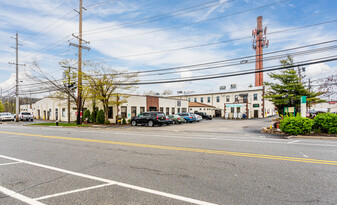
233, 105
256, 105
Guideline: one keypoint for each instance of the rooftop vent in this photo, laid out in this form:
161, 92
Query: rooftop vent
222, 87
233, 86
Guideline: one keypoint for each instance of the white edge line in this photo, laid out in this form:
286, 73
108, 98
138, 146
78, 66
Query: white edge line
20, 197
9, 163
72, 191
151, 191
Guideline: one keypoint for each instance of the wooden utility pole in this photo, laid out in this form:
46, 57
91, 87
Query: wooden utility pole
68, 94
79, 75
17, 110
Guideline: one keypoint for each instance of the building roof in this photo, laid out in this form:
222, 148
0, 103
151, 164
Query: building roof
218, 92
196, 104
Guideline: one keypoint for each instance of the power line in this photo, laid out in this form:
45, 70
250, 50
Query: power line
25, 28
224, 16
214, 43
334, 58
134, 23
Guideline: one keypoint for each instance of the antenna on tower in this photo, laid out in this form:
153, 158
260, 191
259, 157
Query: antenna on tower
259, 41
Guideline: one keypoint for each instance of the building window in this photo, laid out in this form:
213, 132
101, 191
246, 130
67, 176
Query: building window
142, 109
161, 109
124, 111
236, 98
178, 110
255, 96
189, 99
173, 111
167, 111
202, 99
184, 109
238, 109
245, 98
195, 99
232, 109
217, 98
227, 98
133, 111
110, 112
209, 99
63, 112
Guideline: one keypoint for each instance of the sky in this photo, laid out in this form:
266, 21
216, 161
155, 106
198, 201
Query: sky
142, 35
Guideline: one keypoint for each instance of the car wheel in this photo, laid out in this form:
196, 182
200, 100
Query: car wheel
174, 122
133, 123
32, 120
150, 123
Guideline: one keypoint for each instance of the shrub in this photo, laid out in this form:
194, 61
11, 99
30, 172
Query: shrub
86, 114
326, 123
124, 121
107, 122
296, 125
129, 121
100, 117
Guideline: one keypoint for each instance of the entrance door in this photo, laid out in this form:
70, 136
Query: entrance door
217, 113
152, 108
256, 113
56, 114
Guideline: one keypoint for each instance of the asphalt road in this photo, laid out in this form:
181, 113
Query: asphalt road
213, 162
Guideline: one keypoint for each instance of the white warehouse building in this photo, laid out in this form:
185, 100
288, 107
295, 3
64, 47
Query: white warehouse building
233, 103
56, 109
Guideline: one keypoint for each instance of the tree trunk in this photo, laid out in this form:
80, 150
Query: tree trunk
106, 105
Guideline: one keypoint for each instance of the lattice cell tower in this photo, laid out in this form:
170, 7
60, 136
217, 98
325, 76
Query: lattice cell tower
259, 41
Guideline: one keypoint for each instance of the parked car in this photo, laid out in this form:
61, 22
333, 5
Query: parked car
189, 117
199, 118
6, 116
177, 119
204, 115
169, 120
149, 118
26, 116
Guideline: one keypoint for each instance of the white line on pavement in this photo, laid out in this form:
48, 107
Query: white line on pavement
9, 163
72, 191
19, 196
293, 141
151, 191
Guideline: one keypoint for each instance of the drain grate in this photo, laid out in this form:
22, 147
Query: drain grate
275, 136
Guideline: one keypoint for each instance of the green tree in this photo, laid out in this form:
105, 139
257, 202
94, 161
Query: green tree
106, 83
100, 117
86, 115
2, 107
286, 89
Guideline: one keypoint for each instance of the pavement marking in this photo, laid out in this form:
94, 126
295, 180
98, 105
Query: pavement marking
9, 163
20, 197
108, 181
72, 191
293, 141
187, 149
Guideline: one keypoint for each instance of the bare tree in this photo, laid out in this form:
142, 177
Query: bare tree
328, 86
167, 92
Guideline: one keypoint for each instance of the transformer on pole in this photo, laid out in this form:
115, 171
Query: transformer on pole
259, 41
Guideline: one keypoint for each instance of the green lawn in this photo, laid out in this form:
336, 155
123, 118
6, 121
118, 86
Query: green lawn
62, 124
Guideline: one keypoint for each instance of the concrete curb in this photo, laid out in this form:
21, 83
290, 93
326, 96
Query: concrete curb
312, 137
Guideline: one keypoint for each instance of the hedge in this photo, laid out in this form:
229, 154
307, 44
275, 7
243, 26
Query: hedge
86, 114
296, 125
326, 123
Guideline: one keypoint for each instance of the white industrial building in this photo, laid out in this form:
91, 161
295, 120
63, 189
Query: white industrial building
234, 103
57, 109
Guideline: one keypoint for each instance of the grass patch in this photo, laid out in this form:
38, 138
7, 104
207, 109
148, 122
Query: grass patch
62, 124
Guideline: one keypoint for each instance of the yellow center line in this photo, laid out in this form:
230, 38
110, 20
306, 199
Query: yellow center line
186, 149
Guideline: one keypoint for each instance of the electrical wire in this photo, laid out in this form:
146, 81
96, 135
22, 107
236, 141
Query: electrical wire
207, 20
134, 23
213, 43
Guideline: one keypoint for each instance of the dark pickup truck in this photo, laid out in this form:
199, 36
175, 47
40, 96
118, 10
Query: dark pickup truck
149, 118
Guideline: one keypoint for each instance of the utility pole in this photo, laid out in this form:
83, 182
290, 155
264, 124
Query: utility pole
17, 110
69, 86
79, 75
